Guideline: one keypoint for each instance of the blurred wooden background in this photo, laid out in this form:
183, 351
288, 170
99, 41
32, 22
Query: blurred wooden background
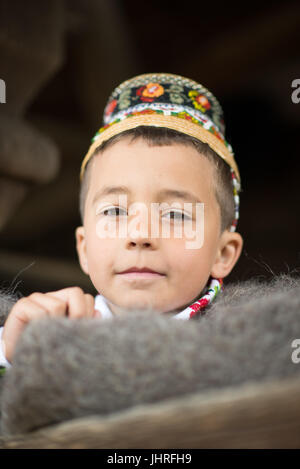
60, 59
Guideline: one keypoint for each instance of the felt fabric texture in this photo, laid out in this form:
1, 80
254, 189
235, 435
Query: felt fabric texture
65, 369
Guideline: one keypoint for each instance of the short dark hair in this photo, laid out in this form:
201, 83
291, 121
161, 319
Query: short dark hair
158, 136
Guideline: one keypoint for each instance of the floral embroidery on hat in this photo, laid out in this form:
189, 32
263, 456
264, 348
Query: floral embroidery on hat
150, 91
110, 108
176, 88
176, 93
176, 98
199, 101
185, 115
124, 99
145, 111
216, 133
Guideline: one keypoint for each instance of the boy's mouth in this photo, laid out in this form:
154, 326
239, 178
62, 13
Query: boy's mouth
141, 272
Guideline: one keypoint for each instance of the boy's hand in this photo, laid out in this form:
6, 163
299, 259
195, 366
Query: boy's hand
71, 302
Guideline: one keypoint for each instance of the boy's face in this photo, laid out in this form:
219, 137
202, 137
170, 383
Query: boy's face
146, 171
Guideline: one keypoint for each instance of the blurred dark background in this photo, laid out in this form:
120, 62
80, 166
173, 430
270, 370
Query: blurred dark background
61, 59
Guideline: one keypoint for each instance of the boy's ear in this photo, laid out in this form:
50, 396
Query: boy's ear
229, 251
81, 248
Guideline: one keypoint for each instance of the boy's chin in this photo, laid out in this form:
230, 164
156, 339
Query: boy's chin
136, 309
145, 311
142, 311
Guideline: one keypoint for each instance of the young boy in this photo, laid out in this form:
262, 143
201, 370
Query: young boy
158, 174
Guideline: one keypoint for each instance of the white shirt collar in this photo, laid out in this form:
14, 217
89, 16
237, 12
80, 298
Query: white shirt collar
102, 306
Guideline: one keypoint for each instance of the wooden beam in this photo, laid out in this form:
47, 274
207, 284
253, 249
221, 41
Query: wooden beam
252, 415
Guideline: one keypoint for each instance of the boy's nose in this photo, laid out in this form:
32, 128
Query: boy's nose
143, 229
141, 237
141, 243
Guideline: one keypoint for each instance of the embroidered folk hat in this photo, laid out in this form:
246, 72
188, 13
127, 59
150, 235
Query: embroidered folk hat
174, 102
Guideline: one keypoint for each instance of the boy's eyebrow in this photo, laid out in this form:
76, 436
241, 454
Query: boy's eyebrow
108, 190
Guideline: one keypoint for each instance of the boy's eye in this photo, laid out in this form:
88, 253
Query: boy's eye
118, 211
180, 215
112, 208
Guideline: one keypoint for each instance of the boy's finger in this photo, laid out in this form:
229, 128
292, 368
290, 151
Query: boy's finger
22, 313
54, 306
88, 311
90, 305
79, 304
75, 301
64, 293
26, 310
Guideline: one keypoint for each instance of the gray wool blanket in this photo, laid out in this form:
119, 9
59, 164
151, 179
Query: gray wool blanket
65, 369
